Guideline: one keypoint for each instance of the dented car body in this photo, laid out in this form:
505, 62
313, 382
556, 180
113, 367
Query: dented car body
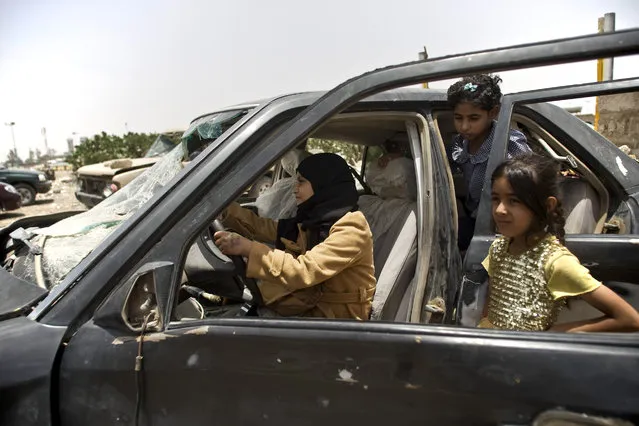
95, 330
98, 181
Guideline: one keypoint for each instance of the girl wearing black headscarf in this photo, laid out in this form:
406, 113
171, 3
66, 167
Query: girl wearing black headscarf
322, 264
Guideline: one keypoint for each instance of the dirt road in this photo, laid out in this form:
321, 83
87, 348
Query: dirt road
60, 198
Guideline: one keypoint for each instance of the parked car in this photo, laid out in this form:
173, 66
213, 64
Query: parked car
97, 328
27, 182
99, 181
96, 182
10, 198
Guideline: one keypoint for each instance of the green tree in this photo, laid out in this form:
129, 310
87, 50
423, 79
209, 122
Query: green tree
137, 144
104, 147
14, 159
350, 152
31, 160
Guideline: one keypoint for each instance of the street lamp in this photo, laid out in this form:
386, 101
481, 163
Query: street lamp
13, 137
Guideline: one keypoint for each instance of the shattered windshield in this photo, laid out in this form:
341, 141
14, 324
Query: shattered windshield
68, 241
162, 145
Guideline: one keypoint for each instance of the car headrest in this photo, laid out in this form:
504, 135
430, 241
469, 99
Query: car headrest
395, 180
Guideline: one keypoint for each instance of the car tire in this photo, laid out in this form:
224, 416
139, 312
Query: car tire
260, 186
27, 193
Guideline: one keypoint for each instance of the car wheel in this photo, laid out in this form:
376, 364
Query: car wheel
27, 193
260, 186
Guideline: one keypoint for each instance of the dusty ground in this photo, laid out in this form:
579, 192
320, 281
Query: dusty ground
60, 198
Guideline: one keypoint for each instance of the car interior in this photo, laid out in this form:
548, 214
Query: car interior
584, 198
392, 216
211, 279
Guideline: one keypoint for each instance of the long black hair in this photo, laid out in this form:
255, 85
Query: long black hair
481, 90
533, 179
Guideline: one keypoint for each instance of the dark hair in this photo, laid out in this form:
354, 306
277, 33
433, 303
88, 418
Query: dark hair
534, 178
481, 90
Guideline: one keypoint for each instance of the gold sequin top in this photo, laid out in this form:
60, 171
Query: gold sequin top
519, 295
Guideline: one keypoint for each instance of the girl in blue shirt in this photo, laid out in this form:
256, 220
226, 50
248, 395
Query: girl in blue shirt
475, 101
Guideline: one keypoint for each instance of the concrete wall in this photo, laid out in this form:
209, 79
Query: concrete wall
619, 119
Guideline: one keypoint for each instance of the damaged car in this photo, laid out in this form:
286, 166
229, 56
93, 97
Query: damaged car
105, 315
95, 182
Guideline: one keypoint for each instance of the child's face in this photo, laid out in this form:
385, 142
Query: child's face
472, 122
303, 189
512, 217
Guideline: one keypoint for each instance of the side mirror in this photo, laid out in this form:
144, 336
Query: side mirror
146, 296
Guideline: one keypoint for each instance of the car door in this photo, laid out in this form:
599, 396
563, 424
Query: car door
610, 257
103, 349
288, 371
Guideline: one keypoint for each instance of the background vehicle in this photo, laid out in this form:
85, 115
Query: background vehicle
27, 182
10, 198
110, 335
98, 181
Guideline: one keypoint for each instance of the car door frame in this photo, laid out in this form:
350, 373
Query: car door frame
620, 250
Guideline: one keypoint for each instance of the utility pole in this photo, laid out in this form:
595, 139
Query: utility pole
46, 144
422, 56
13, 137
606, 24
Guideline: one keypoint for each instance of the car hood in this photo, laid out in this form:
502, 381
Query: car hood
66, 242
20, 172
18, 296
111, 167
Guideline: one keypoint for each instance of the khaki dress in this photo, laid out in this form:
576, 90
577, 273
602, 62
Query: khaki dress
335, 279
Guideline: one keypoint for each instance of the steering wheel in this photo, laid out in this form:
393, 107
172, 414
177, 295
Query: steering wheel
240, 268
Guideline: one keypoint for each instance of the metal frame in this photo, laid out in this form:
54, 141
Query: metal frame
529, 55
420, 145
537, 96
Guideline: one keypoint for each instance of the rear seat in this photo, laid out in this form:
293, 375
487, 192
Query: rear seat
581, 205
392, 218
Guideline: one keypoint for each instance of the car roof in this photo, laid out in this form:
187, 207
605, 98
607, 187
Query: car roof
408, 94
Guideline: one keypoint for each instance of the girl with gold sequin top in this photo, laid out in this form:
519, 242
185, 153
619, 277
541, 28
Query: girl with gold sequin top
531, 272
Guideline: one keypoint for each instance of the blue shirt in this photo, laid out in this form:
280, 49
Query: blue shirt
474, 166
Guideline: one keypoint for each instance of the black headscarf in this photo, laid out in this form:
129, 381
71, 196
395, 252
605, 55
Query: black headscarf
334, 195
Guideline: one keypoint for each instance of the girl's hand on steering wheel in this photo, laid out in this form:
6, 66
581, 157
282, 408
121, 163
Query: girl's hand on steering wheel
232, 244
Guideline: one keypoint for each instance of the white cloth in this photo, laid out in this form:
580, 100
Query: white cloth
382, 214
396, 180
396, 191
278, 201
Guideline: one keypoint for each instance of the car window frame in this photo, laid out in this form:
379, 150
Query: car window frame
582, 245
483, 226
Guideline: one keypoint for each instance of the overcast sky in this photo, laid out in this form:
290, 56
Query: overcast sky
87, 66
